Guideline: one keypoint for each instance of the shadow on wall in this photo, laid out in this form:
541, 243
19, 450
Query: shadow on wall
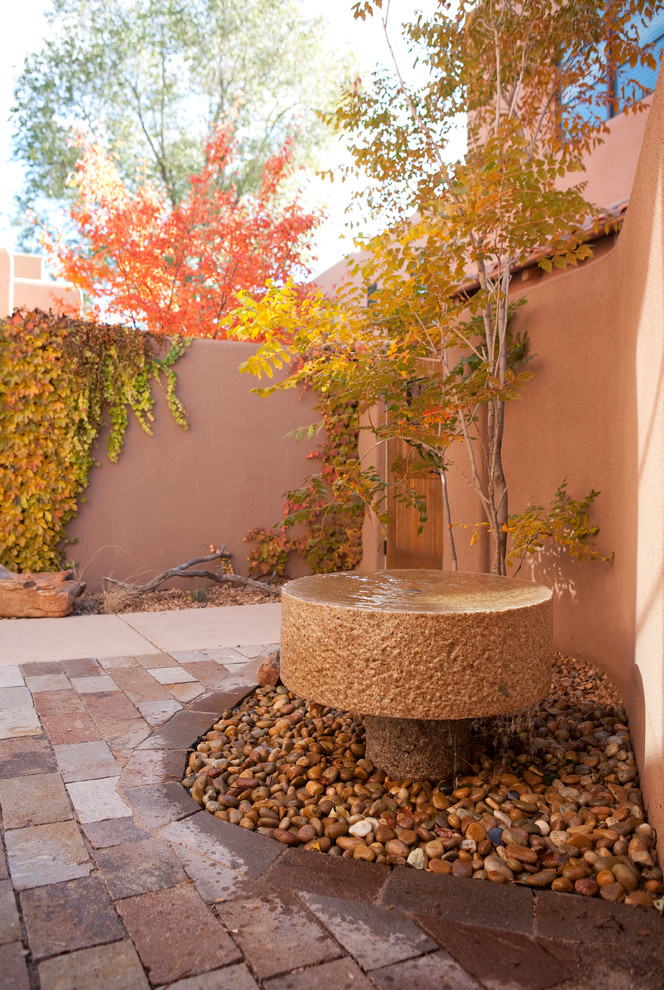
557, 571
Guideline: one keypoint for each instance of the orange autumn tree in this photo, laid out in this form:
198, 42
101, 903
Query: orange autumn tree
178, 269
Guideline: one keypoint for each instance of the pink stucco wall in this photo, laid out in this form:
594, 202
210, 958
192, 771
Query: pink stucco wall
611, 167
594, 414
172, 494
24, 285
601, 382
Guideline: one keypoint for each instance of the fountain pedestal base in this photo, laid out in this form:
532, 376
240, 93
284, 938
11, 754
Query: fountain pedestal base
418, 747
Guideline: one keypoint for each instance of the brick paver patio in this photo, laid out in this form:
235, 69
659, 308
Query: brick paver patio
111, 876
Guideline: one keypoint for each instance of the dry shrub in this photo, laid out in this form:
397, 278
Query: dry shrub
115, 598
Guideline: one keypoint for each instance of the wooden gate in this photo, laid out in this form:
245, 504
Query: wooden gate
405, 546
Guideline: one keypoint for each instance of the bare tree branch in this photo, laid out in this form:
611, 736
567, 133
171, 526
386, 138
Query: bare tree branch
183, 570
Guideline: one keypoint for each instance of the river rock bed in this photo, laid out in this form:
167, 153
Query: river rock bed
551, 799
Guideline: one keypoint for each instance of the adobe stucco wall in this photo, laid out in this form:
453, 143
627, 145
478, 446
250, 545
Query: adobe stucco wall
594, 414
172, 494
611, 167
23, 285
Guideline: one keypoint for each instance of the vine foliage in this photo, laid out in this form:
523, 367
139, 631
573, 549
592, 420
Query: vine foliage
60, 375
322, 519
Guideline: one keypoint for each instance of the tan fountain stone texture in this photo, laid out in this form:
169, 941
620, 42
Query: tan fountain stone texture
417, 643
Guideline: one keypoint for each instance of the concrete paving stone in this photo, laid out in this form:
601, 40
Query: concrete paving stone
139, 685
373, 936
154, 766
124, 736
34, 801
11, 676
227, 657
210, 673
498, 958
297, 869
569, 917
276, 934
69, 637
10, 923
94, 684
35, 668
175, 934
207, 628
213, 881
437, 971
113, 832
171, 675
250, 669
342, 974
74, 727
67, 916
46, 854
96, 800
242, 680
48, 682
186, 692
18, 722
227, 844
118, 663
504, 906
24, 757
180, 731
110, 706
565, 925
190, 656
150, 660
602, 968
102, 967
57, 702
85, 761
159, 804
138, 868
217, 702
235, 977
158, 712
81, 667
271, 647
14, 968
250, 652
16, 708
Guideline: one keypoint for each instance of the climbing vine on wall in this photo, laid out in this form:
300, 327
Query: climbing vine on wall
59, 377
328, 515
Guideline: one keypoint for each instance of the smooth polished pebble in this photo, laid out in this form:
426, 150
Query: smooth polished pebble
550, 801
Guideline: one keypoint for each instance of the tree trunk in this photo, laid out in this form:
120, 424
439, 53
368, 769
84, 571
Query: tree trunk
448, 518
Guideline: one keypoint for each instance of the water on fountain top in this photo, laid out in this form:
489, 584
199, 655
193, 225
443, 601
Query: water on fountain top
418, 591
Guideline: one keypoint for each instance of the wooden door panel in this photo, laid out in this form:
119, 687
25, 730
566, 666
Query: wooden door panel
405, 546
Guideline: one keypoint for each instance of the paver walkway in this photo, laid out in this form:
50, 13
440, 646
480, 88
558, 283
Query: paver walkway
111, 876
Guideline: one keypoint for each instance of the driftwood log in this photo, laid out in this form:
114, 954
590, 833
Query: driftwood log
38, 596
184, 571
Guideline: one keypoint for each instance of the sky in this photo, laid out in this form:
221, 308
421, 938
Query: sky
25, 25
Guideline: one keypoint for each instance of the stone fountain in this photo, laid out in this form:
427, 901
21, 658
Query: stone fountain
419, 653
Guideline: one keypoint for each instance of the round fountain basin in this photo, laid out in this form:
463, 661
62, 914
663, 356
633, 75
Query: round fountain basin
417, 644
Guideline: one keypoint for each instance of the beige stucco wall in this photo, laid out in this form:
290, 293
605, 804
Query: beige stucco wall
172, 494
